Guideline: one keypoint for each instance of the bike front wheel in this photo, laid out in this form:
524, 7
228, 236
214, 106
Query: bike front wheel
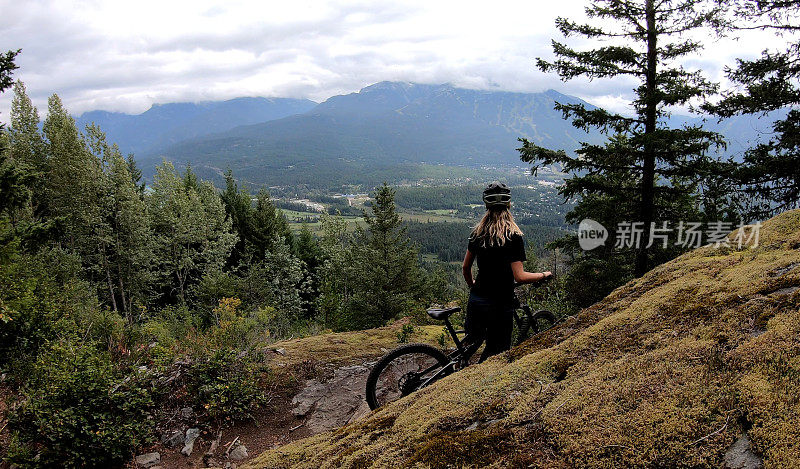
403, 371
535, 323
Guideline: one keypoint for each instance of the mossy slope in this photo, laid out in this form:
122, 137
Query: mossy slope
667, 371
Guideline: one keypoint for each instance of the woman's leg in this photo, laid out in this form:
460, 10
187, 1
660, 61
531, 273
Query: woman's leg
498, 331
478, 310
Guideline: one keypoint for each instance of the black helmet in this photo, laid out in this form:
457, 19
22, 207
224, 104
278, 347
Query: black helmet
497, 195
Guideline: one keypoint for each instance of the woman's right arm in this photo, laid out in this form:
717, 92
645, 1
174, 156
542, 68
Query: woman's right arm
520, 276
466, 268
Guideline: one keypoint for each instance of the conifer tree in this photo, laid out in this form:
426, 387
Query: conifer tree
74, 180
239, 207
26, 143
26, 148
387, 264
770, 173
334, 271
646, 172
7, 67
14, 179
268, 225
136, 174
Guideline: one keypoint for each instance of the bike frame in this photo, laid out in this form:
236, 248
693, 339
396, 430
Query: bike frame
461, 355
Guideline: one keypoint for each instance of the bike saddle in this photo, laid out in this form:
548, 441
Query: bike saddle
436, 313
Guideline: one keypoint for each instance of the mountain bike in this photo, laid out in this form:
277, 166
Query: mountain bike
411, 367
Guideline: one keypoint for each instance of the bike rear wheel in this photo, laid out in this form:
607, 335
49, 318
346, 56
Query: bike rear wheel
403, 371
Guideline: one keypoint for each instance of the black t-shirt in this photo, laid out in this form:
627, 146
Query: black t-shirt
495, 279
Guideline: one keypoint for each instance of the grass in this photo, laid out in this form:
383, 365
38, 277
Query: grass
667, 371
344, 348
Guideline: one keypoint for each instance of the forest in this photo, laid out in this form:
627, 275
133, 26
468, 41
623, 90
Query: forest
104, 274
109, 283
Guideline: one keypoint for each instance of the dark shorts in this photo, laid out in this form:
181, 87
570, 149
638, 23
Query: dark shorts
489, 320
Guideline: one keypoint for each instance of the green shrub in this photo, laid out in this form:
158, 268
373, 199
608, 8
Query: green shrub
77, 410
41, 297
405, 333
228, 385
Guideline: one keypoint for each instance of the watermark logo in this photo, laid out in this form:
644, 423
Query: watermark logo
591, 234
687, 235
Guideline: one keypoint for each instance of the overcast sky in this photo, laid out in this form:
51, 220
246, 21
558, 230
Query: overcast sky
126, 55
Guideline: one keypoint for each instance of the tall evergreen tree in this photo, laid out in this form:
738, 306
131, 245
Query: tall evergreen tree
7, 67
13, 176
386, 264
26, 142
308, 250
770, 173
239, 207
269, 225
136, 174
74, 180
645, 166
334, 271
258, 225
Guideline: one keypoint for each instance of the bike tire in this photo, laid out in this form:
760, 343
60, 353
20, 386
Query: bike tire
523, 330
396, 355
529, 325
542, 315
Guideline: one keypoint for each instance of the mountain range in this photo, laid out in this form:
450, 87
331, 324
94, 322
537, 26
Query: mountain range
387, 131
166, 124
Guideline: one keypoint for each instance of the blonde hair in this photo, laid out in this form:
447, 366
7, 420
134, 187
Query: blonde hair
495, 227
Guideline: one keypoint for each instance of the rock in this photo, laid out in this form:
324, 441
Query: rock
362, 411
335, 402
741, 456
784, 270
172, 439
306, 399
280, 351
187, 413
148, 459
191, 436
785, 291
238, 453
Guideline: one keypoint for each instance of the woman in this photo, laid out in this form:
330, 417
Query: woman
496, 242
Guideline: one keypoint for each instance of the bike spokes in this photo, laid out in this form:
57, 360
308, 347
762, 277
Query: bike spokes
405, 375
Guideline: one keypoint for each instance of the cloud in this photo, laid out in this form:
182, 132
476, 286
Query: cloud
125, 56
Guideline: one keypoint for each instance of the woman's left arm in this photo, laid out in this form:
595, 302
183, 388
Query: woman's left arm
466, 268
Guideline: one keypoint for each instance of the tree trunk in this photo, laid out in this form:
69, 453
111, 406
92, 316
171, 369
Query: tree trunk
649, 163
110, 282
125, 306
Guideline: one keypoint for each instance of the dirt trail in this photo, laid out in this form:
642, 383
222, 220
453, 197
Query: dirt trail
331, 372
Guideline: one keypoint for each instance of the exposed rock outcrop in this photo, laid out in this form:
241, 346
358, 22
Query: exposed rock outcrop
335, 402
